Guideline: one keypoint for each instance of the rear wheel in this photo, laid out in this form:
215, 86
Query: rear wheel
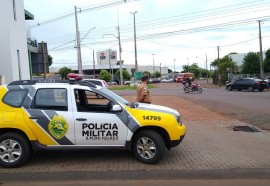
261, 89
250, 89
14, 150
148, 147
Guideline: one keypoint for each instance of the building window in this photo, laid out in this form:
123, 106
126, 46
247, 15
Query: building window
19, 64
14, 9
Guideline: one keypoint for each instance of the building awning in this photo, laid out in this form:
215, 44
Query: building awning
28, 15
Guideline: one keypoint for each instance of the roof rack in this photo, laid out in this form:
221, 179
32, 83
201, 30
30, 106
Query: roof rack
33, 82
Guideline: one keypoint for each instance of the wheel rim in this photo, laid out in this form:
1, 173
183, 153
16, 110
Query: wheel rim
10, 151
146, 148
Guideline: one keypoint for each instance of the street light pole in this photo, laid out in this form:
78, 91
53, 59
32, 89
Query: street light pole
135, 45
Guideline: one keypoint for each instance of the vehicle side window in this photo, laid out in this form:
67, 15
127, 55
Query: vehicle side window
15, 98
97, 83
51, 99
88, 101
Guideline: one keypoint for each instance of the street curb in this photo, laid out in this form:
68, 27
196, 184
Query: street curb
135, 175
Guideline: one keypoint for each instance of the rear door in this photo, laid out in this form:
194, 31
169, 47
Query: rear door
51, 115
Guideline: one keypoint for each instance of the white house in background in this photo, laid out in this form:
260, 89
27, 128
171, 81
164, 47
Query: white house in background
238, 58
14, 63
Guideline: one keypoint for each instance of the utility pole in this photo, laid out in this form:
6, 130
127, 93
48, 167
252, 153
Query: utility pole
174, 65
160, 68
135, 45
206, 68
78, 44
261, 54
111, 70
154, 65
120, 51
44, 59
188, 64
94, 64
219, 78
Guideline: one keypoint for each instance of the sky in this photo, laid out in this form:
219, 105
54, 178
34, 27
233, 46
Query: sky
177, 32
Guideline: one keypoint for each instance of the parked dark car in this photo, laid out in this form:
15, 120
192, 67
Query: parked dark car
249, 84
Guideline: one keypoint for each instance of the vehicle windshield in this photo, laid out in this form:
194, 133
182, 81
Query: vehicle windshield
115, 96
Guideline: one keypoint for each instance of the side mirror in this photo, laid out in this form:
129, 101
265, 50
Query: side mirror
116, 108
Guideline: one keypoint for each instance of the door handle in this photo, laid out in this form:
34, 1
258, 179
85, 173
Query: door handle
81, 119
34, 117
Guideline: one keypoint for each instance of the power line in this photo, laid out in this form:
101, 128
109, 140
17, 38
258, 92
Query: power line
96, 7
165, 23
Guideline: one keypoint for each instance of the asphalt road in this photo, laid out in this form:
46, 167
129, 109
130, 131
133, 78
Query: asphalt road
250, 107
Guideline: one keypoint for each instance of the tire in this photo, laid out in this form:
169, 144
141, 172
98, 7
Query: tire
229, 88
199, 90
261, 89
250, 89
148, 147
15, 146
186, 89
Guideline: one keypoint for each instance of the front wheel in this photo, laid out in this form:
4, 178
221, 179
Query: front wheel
186, 90
148, 147
199, 90
14, 150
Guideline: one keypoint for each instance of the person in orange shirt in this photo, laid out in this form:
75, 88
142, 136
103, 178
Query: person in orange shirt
143, 94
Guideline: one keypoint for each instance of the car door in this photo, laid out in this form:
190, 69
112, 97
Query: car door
95, 123
51, 117
238, 84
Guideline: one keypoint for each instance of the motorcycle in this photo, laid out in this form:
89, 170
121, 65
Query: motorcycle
193, 88
185, 84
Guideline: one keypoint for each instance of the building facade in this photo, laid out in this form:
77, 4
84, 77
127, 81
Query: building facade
14, 64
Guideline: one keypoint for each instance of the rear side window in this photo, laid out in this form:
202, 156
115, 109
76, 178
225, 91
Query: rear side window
97, 83
15, 98
51, 99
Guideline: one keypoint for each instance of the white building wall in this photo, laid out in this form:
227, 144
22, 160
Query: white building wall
13, 39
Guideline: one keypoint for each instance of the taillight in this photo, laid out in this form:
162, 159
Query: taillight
258, 82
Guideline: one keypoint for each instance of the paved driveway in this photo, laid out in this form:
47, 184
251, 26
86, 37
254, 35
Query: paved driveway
210, 146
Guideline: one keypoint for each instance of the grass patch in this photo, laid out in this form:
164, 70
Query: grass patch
127, 87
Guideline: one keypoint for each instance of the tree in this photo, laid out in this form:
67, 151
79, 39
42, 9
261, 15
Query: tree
64, 71
194, 68
157, 74
169, 70
105, 75
251, 63
224, 66
50, 60
267, 61
125, 74
147, 73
